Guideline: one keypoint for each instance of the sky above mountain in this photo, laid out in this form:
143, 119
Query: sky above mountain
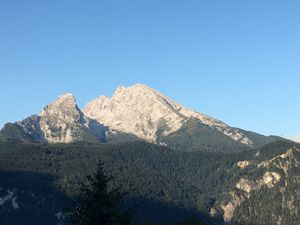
237, 61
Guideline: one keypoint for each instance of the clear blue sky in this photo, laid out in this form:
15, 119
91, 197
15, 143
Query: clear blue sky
238, 61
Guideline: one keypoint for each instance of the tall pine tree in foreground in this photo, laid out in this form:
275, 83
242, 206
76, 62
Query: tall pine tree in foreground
98, 203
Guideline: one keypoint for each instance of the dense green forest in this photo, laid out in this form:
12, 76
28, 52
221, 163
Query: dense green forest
163, 185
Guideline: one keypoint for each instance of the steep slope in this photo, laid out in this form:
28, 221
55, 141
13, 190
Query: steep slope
254, 187
151, 116
195, 136
133, 113
14, 131
268, 190
61, 121
157, 179
259, 139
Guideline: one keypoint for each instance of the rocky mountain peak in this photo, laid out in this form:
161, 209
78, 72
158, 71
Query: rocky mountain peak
136, 91
136, 109
65, 104
62, 119
134, 112
144, 112
136, 87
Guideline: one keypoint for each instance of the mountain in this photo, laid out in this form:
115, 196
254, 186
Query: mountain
257, 187
144, 112
267, 191
298, 139
221, 174
133, 113
61, 121
152, 116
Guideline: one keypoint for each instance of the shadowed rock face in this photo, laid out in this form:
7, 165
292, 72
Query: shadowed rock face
31, 126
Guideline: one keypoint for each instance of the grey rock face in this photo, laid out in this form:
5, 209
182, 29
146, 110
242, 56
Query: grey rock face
62, 122
134, 112
144, 112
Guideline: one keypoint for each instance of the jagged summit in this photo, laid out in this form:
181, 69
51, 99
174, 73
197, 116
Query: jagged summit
136, 109
61, 119
144, 112
65, 103
66, 97
135, 86
136, 112
135, 90
59, 122
69, 97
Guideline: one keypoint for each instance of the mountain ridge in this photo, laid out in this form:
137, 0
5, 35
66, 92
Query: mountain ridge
131, 113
